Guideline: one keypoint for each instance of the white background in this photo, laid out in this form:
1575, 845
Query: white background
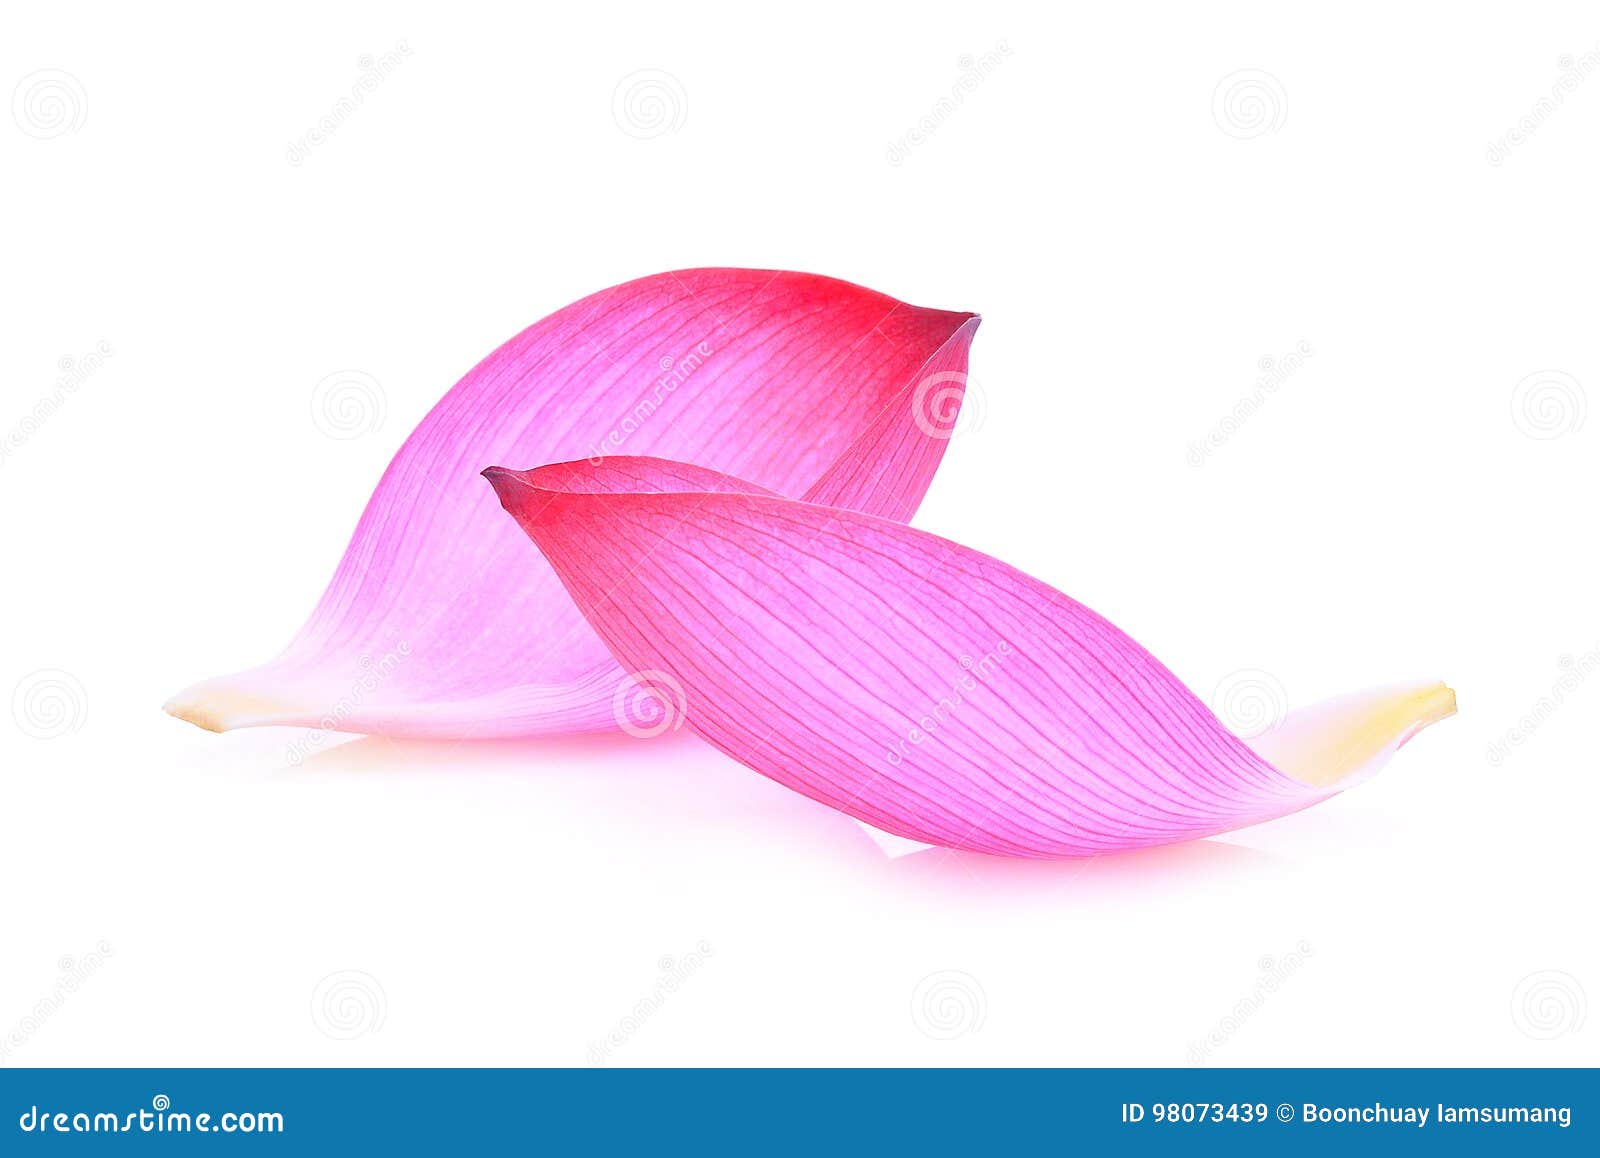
1390, 512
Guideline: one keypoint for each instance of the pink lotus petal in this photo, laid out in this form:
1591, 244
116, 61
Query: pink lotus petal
442, 620
925, 688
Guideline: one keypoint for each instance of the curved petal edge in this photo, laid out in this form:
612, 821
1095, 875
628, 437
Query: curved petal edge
442, 620
913, 683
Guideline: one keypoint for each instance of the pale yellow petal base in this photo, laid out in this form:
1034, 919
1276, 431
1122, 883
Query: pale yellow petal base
222, 704
1341, 742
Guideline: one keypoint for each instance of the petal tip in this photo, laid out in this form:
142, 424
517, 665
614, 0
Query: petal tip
1341, 742
227, 702
1434, 702
505, 482
196, 712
